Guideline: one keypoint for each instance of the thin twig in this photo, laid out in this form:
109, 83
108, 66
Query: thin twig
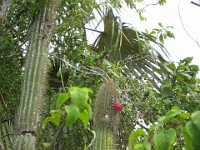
151, 4
99, 71
184, 26
141, 125
94, 30
195, 3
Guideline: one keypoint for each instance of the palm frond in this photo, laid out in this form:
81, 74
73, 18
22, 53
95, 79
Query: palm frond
123, 42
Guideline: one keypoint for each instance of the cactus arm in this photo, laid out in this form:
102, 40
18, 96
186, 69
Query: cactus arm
106, 118
35, 74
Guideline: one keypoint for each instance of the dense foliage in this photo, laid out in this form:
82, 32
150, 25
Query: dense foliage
150, 86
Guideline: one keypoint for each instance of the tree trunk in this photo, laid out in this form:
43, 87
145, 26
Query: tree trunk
35, 75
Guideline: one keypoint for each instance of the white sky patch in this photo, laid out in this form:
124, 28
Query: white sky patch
182, 46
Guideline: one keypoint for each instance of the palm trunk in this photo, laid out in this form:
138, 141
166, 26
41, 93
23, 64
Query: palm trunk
35, 74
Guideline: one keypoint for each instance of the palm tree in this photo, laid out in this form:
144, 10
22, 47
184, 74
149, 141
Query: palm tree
121, 42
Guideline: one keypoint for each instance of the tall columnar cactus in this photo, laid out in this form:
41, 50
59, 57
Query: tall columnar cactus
106, 117
33, 88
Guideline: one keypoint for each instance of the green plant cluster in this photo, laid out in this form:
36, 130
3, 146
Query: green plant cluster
78, 108
178, 103
176, 130
181, 86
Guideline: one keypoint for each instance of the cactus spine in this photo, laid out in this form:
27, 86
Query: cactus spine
106, 118
33, 88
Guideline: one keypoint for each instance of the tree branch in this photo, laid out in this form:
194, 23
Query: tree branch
195, 3
184, 26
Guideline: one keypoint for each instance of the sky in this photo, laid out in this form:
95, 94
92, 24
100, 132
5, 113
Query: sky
169, 15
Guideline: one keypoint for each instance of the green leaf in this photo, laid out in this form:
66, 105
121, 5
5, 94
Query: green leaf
46, 120
46, 144
79, 97
143, 146
183, 116
72, 114
195, 117
170, 114
186, 75
188, 141
56, 117
151, 130
164, 140
166, 91
62, 98
134, 136
171, 66
181, 67
193, 131
194, 134
188, 60
89, 109
87, 89
84, 117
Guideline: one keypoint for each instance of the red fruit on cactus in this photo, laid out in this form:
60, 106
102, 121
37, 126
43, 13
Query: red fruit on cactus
118, 106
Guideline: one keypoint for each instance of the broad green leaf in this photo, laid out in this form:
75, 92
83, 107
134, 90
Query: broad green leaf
194, 134
170, 114
79, 97
134, 136
56, 117
142, 146
72, 114
46, 120
84, 117
62, 98
164, 140
171, 66
181, 68
195, 117
188, 141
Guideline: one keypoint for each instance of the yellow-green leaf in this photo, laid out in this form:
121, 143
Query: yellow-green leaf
72, 114
84, 117
46, 120
79, 97
62, 98
56, 117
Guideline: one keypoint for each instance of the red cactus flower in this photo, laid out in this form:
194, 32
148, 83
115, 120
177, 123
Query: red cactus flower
118, 106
